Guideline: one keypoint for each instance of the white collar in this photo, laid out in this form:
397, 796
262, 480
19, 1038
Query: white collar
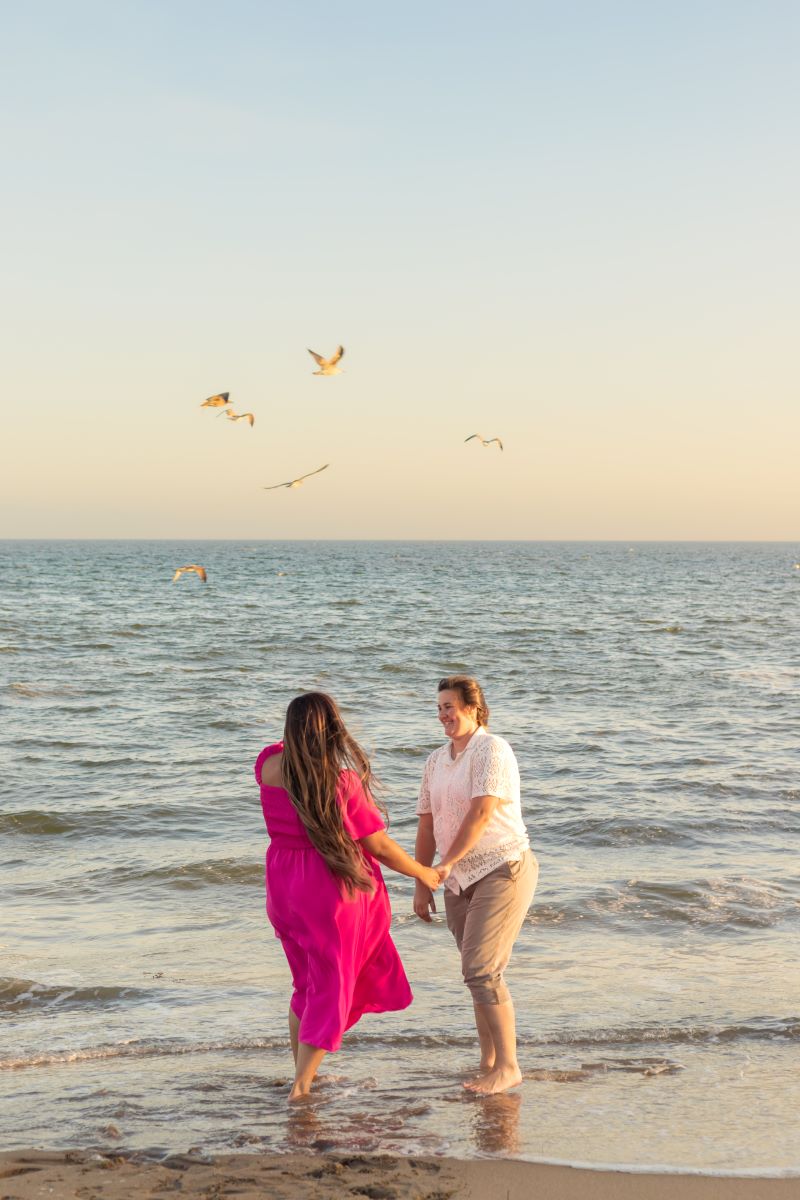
480, 731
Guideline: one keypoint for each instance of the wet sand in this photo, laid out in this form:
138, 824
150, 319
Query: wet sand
88, 1175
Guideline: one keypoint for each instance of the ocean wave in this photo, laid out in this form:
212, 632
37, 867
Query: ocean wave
50, 743
758, 1029
774, 679
614, 831
35, 691
755, 1030
184, 876
22, 995
418, 753
139, 881
143, 820
736, 903
678, 831
136, 1049
34, 822
115, 761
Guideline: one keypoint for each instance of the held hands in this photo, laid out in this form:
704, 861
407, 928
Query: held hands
424, 903
430, 879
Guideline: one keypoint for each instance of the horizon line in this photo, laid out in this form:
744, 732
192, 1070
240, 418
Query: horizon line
466, 541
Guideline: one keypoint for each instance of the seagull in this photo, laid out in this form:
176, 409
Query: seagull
484, 441
218, 401
327, 366
234, 416
201, 571
293, 483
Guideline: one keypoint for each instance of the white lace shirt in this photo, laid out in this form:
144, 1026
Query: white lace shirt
485, 767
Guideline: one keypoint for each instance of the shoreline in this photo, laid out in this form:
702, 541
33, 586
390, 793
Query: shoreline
106, 1175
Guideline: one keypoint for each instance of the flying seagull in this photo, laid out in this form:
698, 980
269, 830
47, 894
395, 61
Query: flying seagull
484, 441
293, 483
327, 366
201, 571
234, 416
218, 401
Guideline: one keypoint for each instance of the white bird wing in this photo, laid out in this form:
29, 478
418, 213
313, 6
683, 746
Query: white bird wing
291, 482
318, 359
310, 473
500, 444
473, 435
332, 361
177, 575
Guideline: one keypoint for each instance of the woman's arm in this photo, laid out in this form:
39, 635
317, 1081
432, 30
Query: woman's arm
480, 812
387, 852
425, 850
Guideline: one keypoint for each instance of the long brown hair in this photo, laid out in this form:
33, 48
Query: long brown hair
316, 749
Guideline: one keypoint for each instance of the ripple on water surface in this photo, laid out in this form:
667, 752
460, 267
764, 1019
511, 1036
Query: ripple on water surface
649, 692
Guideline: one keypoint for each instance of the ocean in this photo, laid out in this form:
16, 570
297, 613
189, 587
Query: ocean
650, 692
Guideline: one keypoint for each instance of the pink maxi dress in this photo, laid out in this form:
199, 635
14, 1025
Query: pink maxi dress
342, 958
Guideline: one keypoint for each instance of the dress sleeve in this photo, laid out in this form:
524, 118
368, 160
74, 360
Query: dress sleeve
267, 752
424, 801
493, 768
360, 815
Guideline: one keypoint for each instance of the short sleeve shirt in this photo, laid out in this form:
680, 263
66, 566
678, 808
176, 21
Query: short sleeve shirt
485, 767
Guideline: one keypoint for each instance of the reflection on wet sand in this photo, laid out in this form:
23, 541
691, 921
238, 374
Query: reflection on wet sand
495, 1124
320, 1124
303, 1127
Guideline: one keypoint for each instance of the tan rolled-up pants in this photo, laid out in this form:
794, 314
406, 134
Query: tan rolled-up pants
485, 919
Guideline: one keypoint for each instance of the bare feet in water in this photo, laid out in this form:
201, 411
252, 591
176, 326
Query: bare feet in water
498, 1079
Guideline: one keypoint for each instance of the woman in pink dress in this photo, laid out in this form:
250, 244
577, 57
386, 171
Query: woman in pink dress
326, 897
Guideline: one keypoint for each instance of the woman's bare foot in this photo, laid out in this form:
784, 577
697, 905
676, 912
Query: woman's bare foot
309, 1059
498, 1079
484, 1067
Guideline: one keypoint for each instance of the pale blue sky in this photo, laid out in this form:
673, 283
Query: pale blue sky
571, 225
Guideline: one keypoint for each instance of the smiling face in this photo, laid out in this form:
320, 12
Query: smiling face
458, 720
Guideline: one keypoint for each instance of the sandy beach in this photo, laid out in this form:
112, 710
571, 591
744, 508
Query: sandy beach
30, 1174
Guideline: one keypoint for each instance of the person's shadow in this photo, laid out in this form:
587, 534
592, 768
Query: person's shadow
495, 1125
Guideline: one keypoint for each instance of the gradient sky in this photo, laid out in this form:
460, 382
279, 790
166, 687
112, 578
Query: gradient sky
571, 225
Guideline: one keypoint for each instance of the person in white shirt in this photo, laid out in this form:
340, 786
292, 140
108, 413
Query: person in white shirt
469, 810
